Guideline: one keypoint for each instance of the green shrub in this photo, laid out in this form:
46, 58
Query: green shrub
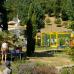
71, 25
48, 21
72, 53
6, 35
58, 21
65, 23
67, 70
35, 68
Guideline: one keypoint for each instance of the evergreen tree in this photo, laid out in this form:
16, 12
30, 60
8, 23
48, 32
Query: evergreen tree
30, 12
3, 16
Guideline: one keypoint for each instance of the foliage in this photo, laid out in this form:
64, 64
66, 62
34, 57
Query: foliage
64, 7
58, 21
37, 8
5, 35
67, 10
48, 21
71, 25
31, 13
66, 24
58, 8
24, 9
35, 68
67, 70
40, 68
72, 53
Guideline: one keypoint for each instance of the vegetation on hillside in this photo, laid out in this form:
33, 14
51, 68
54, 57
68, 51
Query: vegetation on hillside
31, 13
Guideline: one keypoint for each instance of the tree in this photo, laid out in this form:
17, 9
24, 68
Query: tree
3, 16
67, 10
58, 8
30, 12
35, 21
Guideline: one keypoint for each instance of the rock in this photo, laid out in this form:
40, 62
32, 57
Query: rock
7, 71
1, 72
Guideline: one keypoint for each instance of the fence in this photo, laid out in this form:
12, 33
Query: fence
54, 39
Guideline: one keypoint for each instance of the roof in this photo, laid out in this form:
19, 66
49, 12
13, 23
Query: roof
11, 22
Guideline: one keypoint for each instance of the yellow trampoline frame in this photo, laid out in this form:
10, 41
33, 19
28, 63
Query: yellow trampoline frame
56, 34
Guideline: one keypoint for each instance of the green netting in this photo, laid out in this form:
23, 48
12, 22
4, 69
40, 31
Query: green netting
53, 39
63, 39
38, 41
45, 39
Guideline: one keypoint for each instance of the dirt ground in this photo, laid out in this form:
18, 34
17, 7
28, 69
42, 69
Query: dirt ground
44, 56
56, 59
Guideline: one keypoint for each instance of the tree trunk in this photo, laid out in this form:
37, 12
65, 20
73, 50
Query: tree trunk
5, 25
30, 39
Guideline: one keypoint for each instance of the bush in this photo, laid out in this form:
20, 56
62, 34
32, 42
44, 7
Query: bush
8, 36
33, 68
26, 67
71, 25
65, 23
72, 53
65, 16
67, 70
58, 21
48, 21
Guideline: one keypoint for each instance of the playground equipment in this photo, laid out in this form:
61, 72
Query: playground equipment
72, 40
53, 39
38, 39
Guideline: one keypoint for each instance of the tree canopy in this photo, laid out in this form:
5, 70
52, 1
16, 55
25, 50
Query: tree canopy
32, 12
21, 7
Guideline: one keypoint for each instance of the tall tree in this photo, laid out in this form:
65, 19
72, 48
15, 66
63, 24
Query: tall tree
35, 21
67, 10
3, 16
30, 12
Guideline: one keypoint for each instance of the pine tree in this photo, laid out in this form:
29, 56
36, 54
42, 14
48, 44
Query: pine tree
3, 16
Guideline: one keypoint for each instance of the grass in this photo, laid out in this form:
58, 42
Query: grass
36, 66
67, 70
28, 67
